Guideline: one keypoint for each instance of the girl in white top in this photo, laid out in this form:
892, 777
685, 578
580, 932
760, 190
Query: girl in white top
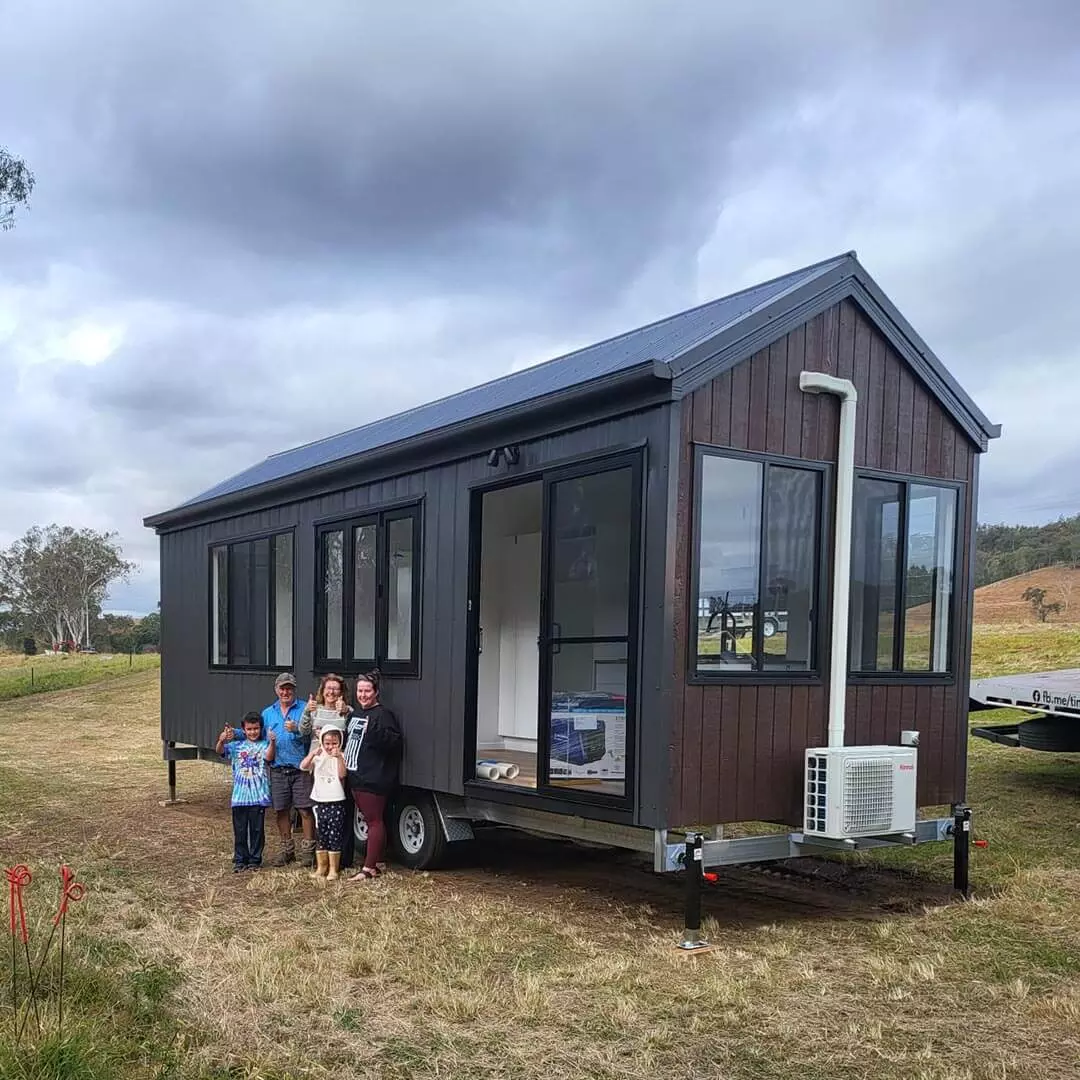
328, 795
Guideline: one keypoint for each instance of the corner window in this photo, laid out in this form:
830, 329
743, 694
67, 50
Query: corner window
368, 597
757, 566
902, 581
251, 603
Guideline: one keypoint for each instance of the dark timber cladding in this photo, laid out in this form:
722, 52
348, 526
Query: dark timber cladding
197, 701
736, 747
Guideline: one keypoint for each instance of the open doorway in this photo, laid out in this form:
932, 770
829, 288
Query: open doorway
508, 675
555, 606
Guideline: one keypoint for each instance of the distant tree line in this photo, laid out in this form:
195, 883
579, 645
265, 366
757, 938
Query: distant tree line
53, 582
1003, 551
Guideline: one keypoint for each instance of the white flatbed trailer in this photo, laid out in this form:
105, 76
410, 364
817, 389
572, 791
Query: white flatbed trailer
1053, 699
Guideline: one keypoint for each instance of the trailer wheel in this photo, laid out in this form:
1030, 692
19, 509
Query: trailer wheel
417, 833
1056, 736
769, 627
359, 834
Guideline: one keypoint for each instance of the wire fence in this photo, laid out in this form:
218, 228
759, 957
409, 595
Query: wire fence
39, 675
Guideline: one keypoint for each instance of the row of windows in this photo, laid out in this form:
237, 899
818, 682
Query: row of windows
367, 605
760, 576
758, 570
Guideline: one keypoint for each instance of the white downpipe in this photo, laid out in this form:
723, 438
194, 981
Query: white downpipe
814, 382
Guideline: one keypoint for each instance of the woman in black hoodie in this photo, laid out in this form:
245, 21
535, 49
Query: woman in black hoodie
372, 758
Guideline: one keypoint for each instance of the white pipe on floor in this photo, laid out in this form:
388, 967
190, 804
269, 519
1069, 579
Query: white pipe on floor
814, 382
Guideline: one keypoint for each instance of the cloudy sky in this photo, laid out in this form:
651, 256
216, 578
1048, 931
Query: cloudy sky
259, 223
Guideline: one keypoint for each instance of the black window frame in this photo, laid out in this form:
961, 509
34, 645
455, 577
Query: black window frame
897, 674
228, 543
381, 518
822, 576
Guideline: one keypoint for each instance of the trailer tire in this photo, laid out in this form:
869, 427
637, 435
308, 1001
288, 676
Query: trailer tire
417, 832
359, 837
769, 627
1054, 736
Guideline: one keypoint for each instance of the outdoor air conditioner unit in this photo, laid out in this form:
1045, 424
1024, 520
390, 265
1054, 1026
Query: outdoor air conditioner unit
859, 791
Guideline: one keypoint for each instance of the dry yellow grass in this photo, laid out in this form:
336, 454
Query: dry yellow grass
535, 960
1002, 602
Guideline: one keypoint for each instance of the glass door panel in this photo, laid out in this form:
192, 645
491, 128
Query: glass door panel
586, 632
590, 555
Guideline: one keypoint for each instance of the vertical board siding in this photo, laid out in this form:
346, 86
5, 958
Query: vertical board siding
737, 748
196, 702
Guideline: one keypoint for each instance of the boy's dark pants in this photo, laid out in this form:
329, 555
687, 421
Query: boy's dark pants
248, 833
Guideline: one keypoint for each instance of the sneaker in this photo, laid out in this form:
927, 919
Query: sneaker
238, 867
253, 866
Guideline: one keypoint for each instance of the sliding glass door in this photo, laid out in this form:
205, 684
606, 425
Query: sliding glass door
588, 629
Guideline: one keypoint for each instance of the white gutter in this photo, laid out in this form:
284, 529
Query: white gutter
814, 382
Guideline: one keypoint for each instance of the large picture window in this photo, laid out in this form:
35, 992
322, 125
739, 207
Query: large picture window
368, 607
902, 579
251, 603
757, 566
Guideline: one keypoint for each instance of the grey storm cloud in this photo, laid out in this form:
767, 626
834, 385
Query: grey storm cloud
257, 224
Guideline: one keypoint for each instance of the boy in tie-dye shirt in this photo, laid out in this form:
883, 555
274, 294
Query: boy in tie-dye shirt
251, 788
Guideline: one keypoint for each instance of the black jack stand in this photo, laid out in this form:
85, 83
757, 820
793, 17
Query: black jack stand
693, 940
961, 834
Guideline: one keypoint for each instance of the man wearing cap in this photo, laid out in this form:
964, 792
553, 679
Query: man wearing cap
289, 785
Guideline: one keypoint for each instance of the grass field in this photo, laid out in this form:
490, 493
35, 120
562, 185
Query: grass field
531, 959
23, 675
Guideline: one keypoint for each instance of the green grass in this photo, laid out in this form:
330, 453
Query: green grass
1000, 650
43, 674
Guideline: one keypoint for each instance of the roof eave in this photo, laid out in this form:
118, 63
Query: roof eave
640, 377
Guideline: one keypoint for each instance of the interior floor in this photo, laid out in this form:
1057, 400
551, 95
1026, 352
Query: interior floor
526, 777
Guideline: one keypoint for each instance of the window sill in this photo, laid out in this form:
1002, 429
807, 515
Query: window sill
249, 669
900, 678
755, 678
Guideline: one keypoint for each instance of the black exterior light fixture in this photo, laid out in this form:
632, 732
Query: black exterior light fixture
510, 454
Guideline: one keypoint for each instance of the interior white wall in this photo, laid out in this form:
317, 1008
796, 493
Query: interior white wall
508, 676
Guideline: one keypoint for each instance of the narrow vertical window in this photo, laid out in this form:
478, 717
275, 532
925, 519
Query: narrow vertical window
791, 568
240, 604
399, 589
260, 602
365, 591
875, 546
333, 589
928, 584
283, 599
219, 606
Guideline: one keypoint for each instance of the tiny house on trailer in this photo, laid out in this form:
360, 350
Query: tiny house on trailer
717, 569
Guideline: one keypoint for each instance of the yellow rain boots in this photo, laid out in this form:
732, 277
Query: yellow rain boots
322, 864
335, 864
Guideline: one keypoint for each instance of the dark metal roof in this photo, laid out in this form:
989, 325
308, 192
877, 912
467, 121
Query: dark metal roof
659, 341
687, 348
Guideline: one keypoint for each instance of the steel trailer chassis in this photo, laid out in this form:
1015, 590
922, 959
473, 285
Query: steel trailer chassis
692, 855
695, 853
